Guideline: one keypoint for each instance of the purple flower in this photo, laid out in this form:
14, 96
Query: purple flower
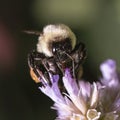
110, 76
109, 97
85, 101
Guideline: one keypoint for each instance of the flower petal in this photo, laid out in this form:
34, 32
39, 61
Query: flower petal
53, 91
94, 96
70, 83
74, 92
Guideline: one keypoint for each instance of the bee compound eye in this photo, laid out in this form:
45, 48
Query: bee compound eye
54, 50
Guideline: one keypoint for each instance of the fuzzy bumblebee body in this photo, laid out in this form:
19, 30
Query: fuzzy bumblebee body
56, 50
53, 34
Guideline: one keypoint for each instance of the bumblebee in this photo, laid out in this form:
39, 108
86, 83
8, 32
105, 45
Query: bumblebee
56, 50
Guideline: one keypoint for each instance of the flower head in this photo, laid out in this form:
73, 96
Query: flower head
78, 103
84, 101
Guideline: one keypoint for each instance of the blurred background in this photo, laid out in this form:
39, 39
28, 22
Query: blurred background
95, 22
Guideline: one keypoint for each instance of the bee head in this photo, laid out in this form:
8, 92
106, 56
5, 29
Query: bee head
56, 39
62, 46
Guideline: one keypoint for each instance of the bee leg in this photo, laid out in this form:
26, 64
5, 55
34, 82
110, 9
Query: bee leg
39, 77
73, 65
37, 70
61, 64
50, 68
79, 55
44, 78
31, 60
31, 63
34, 75
60, 68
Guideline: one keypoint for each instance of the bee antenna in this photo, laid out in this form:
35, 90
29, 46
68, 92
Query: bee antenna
32, 32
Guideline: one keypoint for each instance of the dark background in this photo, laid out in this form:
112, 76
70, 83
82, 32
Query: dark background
95, 22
